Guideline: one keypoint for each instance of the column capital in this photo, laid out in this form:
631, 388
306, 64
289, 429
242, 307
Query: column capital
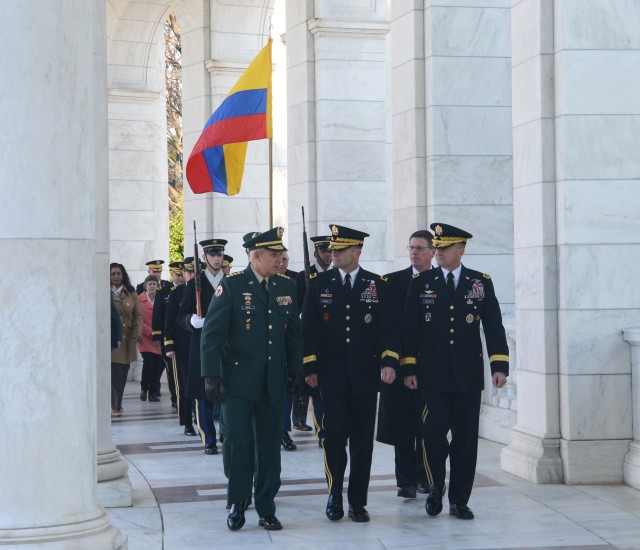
347, 28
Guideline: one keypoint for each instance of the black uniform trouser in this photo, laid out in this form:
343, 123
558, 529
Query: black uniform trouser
350, 417
409, 466
460, 413
184, 404
170, 379
252, 427
300, 406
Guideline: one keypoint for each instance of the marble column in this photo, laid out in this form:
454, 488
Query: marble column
631, 467
52, 96
337, 158
534, 451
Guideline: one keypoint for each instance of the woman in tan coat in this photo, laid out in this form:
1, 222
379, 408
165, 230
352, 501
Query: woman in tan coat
128, 306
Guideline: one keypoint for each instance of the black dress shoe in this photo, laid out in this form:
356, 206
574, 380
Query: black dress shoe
335, 511
434, 500
174, 404
188, 430
247, 503
153, 397
211, 450
461, 511
407, 492
359, 514
270, 523
423, 487
143, 395
235, 520
287, 442
302, 426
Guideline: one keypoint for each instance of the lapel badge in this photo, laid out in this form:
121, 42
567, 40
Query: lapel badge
325, 316
368, 318
469, 318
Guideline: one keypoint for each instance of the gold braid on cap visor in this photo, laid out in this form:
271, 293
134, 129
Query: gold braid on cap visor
155, 266
442, 242
343, 242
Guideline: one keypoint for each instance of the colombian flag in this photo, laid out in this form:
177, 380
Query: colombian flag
217, 160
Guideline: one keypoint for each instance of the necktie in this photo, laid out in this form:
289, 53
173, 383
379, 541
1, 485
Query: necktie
451, 286
347, 284
264, 286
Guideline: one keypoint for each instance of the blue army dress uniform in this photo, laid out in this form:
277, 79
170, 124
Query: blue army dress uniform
251, 344
195, 384
177, 339
441, 344
347, 341
154, 265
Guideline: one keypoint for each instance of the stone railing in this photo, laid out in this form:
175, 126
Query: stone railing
631, 467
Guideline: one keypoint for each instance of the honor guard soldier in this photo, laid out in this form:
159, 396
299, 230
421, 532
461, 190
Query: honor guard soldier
346, 329
227, 264
158, 322
176, 344
154, 267
322, 257
442, 357
189, 320
399, 411
250, 346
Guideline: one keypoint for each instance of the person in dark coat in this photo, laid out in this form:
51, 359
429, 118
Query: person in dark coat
399, 409
176, 344
442, 357
322, 262
189, 320
346, 329
250, 347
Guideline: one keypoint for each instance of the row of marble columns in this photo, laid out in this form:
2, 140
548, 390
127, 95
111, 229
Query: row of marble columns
54, 215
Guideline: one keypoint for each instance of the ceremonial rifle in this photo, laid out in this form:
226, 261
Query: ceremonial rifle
196, 267
305, 250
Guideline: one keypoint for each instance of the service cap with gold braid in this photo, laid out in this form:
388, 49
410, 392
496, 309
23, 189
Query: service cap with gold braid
227, 260
344, 237
213, 246
446, 235
321, 242
188, 264
175, 268
155, 265
271, 240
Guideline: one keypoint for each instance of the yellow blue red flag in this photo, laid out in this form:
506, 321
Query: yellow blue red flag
217, 160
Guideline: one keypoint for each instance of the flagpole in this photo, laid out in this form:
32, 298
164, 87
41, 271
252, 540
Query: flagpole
270, 182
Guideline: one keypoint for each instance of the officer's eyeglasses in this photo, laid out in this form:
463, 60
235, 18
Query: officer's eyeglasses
418, 248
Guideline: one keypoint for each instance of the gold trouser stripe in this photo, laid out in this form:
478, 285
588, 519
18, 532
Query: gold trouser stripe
425, 461
498, 358
315, 420
327, 470
174, 363
198, 423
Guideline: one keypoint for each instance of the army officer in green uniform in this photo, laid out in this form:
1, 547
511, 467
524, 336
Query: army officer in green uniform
250, 344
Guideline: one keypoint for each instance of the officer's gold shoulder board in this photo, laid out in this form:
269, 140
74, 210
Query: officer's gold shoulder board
486, 276
283, 275
383, 278
313, 276
415, 275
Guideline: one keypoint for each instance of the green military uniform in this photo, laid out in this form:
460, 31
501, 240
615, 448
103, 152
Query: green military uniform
251, 340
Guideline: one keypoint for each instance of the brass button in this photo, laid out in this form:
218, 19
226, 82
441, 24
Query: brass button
270, 342
348, 306
451, 331
451, 341
269, 357
270, 327
237, 363
451, 319
269, 311
450, 307
348, 340
348, 318
248, 313
348, 329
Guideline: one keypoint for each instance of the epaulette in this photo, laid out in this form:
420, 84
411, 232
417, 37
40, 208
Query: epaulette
383, 278
415, 275
235, 273
283, 276
313, 276
486, 276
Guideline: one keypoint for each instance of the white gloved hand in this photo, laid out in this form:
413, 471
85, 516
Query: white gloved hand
196, 322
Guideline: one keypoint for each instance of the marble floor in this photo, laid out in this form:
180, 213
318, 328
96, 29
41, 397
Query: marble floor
179, 501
